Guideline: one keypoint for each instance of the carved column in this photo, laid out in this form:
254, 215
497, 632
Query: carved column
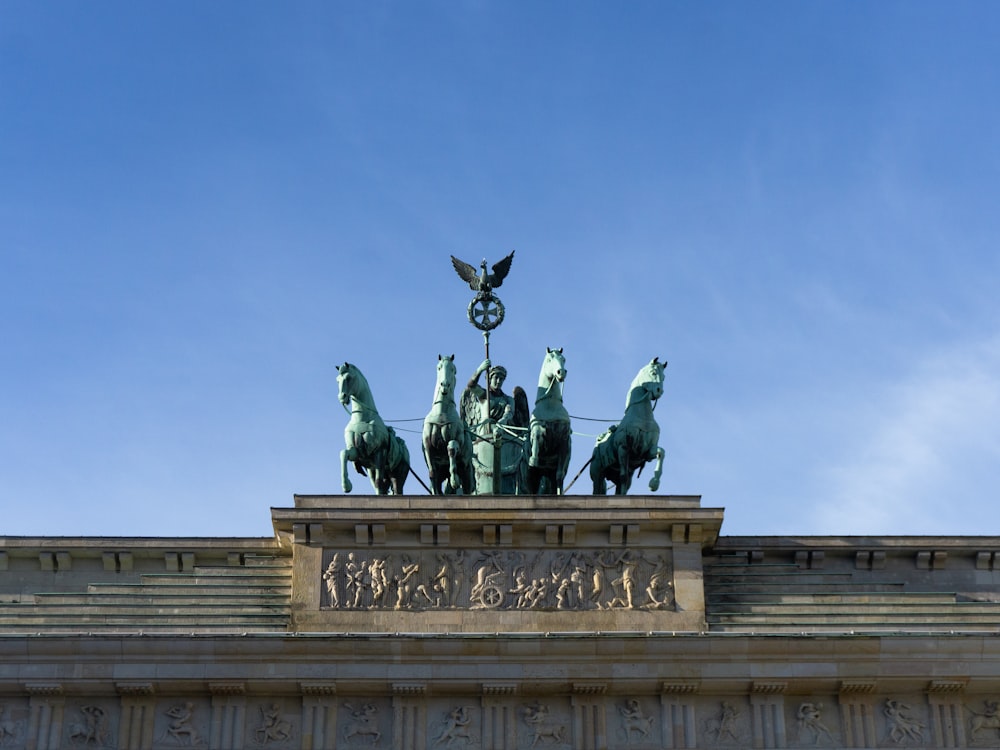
947, 709
499, 721
857, 711
409, 713
229, 705
680, 730
767, 702
135, 727
590, 730
46, 716
319, 715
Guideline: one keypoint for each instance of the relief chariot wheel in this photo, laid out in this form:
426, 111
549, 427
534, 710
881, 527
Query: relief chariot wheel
491, 596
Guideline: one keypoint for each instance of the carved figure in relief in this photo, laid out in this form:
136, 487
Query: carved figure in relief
180, 728
441, 584
93, 728
379, 580
563, 594
457, 561
902, 725
660, 590
8, 728
521, 588
603, 562
724, 726
362, 583
488, 590
274, 728
634, 720
542, 727
405, 585
578, 579
810, 719
631, 443
537, 592
354, 573
456, 727
332, 576
988, 719
363, 724
597, 587
557, 566
625, 584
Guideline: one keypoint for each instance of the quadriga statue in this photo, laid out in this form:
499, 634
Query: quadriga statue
550, 430
633, 442
446, 441
373, 448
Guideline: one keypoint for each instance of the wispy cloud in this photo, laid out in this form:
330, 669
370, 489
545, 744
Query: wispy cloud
933, 443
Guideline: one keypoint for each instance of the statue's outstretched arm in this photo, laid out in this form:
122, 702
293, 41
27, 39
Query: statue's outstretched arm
474, 380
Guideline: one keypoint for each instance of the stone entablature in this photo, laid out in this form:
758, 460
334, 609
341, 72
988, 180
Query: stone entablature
497, 564
422, 692
32, 564
499, 624
903, 556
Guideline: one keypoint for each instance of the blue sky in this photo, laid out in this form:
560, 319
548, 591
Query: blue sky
205, 207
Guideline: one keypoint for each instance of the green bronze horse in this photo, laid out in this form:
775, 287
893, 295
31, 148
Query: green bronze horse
628, 445
371, 445
550, 432
446, 442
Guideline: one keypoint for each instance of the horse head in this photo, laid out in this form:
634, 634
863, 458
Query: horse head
352, 384
446, 376
553, 367
648, 383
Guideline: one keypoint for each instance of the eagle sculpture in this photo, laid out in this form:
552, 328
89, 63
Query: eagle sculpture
480, 281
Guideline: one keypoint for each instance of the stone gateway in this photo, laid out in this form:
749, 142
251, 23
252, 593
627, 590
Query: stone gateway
499, 623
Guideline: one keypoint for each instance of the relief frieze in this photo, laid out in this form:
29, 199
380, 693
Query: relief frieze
492, 579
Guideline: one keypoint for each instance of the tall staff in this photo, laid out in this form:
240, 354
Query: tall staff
486, 312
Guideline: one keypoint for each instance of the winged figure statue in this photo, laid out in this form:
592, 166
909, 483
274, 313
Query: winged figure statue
480, 281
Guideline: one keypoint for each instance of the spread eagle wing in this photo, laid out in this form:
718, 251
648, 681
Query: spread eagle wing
501, 269
468, 273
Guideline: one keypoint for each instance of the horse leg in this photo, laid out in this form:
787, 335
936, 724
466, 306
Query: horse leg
654, 481
454, 484
399, 473
432, 474
562, 462
346, 456
597, 470
624, 470
468, 470
536, 437
378, 472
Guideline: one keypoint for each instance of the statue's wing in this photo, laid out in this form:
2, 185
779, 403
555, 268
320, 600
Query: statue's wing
522, 413
466, 272
469, 407
501, 269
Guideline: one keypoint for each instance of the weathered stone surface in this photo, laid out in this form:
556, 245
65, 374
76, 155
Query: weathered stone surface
766, 642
